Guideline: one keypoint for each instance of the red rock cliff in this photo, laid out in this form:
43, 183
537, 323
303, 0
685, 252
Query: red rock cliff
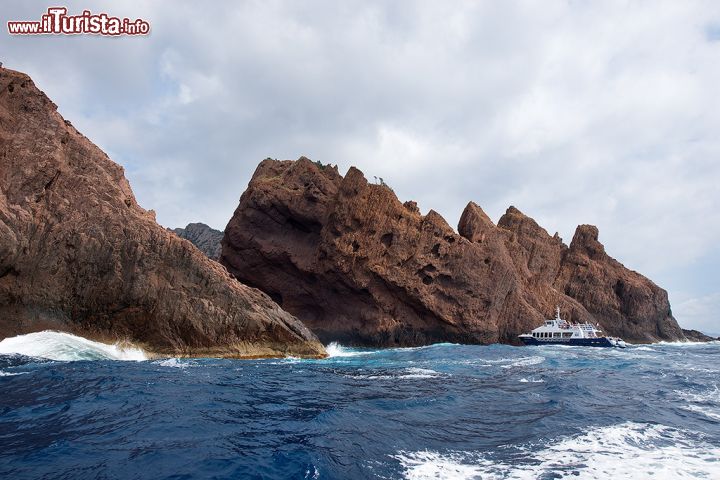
78, 254
357, 266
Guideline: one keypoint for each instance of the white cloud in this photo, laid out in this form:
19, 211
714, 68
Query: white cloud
701, 313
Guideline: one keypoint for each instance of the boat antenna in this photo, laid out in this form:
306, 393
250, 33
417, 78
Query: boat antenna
557, 312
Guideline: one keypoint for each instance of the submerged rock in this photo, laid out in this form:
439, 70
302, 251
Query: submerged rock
358, 266
78, 254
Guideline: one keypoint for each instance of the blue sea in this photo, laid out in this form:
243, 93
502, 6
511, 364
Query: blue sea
74, 409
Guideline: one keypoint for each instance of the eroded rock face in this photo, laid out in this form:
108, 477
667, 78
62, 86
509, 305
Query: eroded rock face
206, 239
360, 267
78, 254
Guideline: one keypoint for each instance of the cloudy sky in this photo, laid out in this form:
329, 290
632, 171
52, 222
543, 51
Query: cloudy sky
575, 112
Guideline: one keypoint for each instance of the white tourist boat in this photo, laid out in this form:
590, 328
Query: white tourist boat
557, 331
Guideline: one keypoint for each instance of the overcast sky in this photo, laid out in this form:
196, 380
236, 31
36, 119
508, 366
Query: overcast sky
573, 111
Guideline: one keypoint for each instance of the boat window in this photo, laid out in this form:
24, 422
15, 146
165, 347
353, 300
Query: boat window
557, 334
567, 334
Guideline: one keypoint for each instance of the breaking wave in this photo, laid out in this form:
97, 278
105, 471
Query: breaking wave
337, 350
334, 349
174, 363
532, 380
399, 374
66, 347
627, 450
705, 401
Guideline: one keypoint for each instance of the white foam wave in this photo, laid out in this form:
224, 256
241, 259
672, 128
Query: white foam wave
706, 402
687, 344
173, 363
644, 349
66, 347
413, 372
334, 349
708, 395
532, 380
11, 374
709, 412
432, 465
337, 350
524, 361
405, 373
628, 450
424, 347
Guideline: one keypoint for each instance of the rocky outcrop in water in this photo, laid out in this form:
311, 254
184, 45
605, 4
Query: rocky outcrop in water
358, 266
697, 336
78, 254
206, 239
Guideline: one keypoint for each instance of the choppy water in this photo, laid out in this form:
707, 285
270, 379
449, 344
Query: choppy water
444, 411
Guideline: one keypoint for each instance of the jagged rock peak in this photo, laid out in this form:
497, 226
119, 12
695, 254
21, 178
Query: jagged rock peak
512, 210
354, 180
474, 223
438, 221
586, 240
412, 207
513, 219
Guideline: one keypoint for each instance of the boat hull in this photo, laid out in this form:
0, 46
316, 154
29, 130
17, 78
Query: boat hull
580, 342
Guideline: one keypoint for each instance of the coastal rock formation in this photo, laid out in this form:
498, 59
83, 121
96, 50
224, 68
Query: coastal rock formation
358, 266
626, 303
697, 336
78, 254
206, 239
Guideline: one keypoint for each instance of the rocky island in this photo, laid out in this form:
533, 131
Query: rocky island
358, 266
343, 255
78, 254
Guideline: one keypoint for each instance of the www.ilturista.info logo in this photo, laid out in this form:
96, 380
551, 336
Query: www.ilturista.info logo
57, 22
